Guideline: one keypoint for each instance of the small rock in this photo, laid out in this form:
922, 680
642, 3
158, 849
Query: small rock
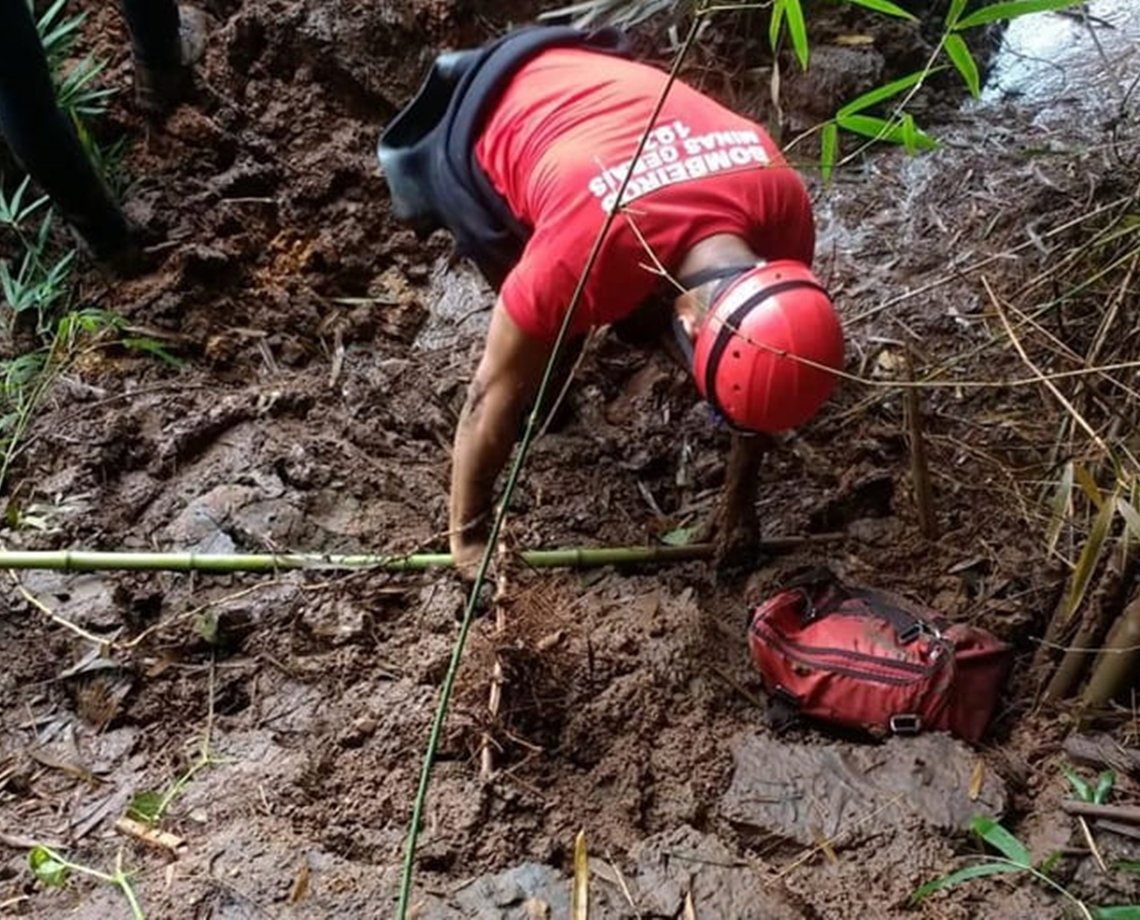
358, 732
526, 891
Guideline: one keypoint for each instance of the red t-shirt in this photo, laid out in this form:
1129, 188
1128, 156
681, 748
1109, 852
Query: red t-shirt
555, 147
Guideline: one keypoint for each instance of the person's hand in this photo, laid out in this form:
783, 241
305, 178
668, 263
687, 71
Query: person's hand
736, 537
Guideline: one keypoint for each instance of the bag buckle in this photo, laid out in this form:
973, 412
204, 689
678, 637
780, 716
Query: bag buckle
908, 723
783, 709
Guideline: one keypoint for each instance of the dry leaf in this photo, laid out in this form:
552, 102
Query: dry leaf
580, 894
151, 836
537, 909
690, 911
301, 885
976, 776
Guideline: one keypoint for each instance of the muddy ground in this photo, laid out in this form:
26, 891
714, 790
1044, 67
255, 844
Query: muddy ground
326, 353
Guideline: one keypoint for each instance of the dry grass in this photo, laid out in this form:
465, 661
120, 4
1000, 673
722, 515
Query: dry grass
534, 650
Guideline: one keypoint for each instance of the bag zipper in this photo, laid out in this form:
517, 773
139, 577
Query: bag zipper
804, 654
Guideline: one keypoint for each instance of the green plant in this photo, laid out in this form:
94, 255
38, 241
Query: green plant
899, 126
1015, 858
52, 869
74, 93
151, 806
39, 284
25, 379
1097, 794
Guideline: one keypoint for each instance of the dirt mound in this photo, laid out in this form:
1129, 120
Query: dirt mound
328, 351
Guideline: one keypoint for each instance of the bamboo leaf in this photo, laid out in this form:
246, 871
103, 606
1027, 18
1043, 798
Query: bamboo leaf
962, 875
829, 149
1002, 841
1131, 517
580, 895
882, 130
1088, 560
1104, 784
1088, 485
1080, 787
797, 29
1124, 912
1127, 865
886, 91
1010, 10
1061, 502
146, 807
909, 134
960, 54
955, 12
885, 7
775, 23
680, 536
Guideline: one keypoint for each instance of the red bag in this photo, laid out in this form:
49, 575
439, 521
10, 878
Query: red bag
870, 660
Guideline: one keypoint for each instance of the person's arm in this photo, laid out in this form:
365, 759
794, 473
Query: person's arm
737, 527
505, 384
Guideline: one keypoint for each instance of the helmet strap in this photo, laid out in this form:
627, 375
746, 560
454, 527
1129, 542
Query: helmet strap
684, 341
715, 274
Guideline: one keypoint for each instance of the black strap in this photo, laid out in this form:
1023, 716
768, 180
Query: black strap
906, 624
716, 273
683, 341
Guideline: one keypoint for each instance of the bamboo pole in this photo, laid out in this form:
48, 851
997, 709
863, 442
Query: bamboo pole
1117, 663
69, 560
1101, 607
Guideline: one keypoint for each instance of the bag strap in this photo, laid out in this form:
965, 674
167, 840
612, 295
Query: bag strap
907, 625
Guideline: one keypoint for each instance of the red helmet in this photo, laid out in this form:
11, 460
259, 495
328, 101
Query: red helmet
761, 353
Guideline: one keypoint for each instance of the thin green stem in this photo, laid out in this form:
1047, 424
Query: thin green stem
119, 879
129, 893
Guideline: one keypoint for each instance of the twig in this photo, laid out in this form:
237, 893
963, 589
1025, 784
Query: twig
102, 641
495, 700
743, 691
622, 883
1084, 825
1127, 814
190, 614
1117, 827
829, 841
151, 836
920, 473
957, 274
1052, 387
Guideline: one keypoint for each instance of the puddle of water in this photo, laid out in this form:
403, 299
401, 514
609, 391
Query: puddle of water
1050, 57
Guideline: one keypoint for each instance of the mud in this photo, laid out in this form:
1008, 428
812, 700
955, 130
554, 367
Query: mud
327, 352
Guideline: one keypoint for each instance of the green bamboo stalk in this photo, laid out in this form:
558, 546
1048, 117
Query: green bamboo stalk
77, 560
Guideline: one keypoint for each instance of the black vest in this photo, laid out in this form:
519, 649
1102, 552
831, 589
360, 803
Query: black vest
427, 153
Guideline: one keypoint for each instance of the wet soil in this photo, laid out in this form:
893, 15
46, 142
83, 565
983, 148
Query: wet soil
326, 353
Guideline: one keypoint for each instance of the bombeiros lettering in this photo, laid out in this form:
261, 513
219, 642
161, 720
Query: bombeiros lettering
673, 154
